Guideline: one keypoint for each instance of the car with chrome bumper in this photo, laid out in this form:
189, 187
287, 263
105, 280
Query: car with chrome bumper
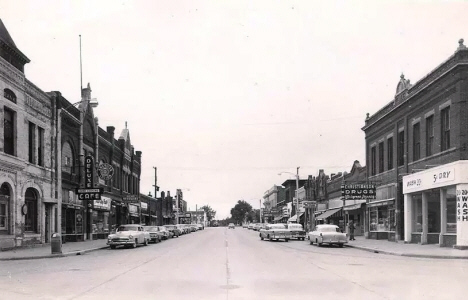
128, 235
327, 234
297, 231
275, 232
174, 229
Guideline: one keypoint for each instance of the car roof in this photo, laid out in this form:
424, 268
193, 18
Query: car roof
327, 225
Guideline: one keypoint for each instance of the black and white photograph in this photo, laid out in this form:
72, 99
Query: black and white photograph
233, 149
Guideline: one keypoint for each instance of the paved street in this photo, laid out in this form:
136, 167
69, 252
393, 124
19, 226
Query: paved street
218, 263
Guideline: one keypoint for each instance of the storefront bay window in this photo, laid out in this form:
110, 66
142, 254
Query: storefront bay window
417, 212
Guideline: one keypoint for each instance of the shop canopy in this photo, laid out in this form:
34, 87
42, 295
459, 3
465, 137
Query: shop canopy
294, 218
328, 213
278, 218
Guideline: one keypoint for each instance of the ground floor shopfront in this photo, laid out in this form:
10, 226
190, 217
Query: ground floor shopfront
436, 206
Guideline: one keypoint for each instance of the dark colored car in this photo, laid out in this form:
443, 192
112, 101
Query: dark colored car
155, 235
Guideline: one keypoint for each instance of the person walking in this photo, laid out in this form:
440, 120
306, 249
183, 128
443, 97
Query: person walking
351, 230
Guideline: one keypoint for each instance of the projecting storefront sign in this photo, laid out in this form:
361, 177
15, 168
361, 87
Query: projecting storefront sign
131, 199
90, 192
355, 191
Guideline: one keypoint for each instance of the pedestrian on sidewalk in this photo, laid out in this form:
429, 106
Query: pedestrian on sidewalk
351, 230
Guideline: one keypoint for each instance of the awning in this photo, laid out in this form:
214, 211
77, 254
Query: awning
328, 213
384, 202
352, 206
278, 218
294, 218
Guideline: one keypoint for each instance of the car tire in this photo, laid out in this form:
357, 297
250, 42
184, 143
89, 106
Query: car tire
261, 237
146, 242
287, 240
134, 245
340, 245
311, 242
113, 246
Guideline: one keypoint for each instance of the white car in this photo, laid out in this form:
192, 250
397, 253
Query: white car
129, 235
275, 232
327, 234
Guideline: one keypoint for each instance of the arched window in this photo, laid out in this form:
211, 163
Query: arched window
8, 94
4, 205
30, 222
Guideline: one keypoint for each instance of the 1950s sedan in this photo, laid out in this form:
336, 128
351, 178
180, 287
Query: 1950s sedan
327, 234
297, 231
128, 235
275, 232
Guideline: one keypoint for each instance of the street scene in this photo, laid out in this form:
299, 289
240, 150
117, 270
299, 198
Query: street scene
295, 149
222, 263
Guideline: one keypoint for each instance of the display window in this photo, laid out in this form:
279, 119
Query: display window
417, 212
451, 210
382, 218
100, 221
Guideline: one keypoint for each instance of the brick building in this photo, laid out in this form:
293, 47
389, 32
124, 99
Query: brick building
422, 129
28, 202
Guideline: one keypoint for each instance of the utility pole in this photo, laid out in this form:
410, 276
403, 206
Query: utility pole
297, 195
155, 182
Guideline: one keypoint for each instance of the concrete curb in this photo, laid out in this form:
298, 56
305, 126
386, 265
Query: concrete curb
71, 253
375, 250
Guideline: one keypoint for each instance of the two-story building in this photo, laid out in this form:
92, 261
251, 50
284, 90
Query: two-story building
422, 130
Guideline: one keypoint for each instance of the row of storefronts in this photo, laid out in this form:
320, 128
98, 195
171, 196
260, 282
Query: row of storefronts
416, 164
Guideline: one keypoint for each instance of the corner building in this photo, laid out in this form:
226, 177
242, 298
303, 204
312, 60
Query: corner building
28, 205
420, 135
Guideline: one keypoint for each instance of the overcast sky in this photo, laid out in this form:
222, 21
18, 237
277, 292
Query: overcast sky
221, 96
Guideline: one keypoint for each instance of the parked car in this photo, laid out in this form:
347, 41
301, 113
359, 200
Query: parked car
245, 225
232, 226
275, 232
174, 229
155, 235
256, 226
297, 231
181, 229
200, 226
128, 235
194, 227
165, 233
327, 234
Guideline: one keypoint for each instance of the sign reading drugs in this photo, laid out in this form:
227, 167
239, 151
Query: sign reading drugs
355, 191
462, 204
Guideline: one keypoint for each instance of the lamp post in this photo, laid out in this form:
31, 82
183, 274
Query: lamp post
297, 189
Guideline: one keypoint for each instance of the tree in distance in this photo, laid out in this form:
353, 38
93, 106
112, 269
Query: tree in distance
210, 213
241, 211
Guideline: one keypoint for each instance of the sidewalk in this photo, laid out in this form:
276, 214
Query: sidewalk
44, 251
411, 250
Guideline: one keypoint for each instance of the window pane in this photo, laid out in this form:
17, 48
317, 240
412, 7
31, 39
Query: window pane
451, 211
417, 213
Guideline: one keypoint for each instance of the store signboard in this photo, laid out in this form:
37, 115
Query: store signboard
104, 203
352, 191
132, 209
131, 199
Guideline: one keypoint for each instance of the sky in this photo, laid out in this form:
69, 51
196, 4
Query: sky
222, 96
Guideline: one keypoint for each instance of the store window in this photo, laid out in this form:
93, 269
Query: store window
417, 212
382, 218
40, 146
31, 142
30, 222
451, 210
100, 221
4, 205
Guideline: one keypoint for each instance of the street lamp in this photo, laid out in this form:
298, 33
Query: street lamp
297, 190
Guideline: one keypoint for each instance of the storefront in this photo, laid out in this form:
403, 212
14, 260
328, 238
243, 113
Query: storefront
436, 206
381, 219
134, 213
73, 215
145, 217
100, 217
331, 216
355, 212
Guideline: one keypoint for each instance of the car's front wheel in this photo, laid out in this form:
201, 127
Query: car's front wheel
146, 242
134, 245
112, 246
340, 245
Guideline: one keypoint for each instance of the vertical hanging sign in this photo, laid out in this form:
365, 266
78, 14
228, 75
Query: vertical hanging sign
89, 178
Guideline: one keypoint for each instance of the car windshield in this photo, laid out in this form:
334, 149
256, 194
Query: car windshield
127, 228
295, 226
329, 229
